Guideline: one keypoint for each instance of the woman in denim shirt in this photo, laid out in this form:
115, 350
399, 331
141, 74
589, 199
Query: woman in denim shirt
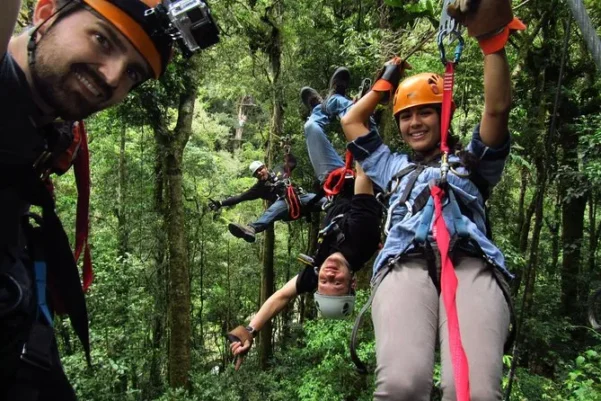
408, 313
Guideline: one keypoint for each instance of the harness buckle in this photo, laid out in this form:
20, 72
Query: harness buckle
40, 164
36, 351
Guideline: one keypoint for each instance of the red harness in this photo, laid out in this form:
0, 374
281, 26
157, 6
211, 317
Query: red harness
81, 167
335, 180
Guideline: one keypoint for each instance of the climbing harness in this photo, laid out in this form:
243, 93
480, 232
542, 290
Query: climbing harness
291, 193
335, 180
293, 202
49, 259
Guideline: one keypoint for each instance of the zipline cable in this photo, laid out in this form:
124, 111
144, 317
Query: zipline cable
588, 30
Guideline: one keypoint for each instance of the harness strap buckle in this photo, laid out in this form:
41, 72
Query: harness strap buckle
36, 351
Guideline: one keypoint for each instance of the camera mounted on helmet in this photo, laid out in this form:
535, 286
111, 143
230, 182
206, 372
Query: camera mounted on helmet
188, 22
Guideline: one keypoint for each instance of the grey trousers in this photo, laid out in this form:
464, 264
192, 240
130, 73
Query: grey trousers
409, 316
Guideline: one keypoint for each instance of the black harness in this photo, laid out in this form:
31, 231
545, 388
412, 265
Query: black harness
30, 362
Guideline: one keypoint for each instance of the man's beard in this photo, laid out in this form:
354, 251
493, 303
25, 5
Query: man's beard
50, 76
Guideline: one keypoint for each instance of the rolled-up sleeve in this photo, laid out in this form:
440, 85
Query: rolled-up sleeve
376, 159
491, 160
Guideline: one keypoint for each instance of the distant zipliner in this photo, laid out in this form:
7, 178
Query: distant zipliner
350, 233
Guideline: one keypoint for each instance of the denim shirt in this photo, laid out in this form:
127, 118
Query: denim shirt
380, 164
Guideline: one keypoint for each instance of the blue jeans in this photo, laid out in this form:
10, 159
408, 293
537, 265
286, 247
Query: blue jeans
279, 211
322, 154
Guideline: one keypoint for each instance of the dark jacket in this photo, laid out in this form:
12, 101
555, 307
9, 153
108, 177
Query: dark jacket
270, 190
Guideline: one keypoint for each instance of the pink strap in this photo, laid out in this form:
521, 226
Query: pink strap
448, 283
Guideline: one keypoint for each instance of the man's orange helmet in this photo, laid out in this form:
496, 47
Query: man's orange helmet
128, 16
418, 90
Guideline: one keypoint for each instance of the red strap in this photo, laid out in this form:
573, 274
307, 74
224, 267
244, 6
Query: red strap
448, 283
448, 279
81, 166
335, 180
294, 207
447, 100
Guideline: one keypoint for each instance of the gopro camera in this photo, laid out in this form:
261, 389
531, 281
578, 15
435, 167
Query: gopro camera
187, 22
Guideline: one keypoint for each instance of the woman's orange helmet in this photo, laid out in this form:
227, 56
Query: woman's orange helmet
419, 90
128, 16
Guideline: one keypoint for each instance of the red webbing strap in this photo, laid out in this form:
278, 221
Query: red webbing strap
294, 206
448, 287
447, 100
448, 279
335, 180
81, 166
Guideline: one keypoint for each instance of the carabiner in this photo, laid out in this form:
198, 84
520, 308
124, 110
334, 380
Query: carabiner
449, 27
444, 166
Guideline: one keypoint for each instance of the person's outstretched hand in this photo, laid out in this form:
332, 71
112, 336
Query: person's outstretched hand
240, 342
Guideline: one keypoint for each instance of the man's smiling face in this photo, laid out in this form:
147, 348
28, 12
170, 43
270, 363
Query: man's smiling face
83, 64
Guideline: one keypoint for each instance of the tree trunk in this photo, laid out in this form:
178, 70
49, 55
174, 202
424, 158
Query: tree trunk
122, 230
155, 376
273, 51
179, 275
287, 312
267, 285
573, 208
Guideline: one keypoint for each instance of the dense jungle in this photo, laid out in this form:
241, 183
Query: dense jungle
170, 280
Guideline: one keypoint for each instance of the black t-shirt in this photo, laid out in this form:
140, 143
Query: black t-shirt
361, 229
21, 141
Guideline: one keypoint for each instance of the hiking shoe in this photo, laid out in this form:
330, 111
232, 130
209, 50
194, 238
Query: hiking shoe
310, 97
242, 231
339, 82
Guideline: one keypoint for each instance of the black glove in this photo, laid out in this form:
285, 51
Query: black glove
214, 205
389, 76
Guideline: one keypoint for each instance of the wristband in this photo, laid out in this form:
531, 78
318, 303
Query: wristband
496, 42
252, 331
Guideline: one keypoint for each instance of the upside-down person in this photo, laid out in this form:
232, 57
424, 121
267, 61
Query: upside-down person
350, 237
409, 313
79, 57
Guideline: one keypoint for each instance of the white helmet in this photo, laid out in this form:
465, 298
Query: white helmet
255, 166
334, 307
